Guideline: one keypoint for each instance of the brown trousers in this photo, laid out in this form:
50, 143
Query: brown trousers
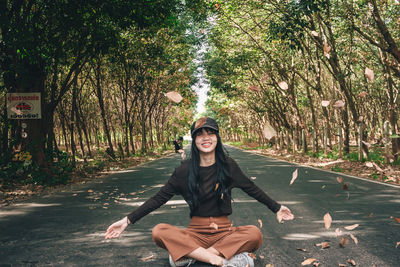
216, 232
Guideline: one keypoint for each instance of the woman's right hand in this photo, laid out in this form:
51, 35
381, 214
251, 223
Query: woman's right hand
115, 229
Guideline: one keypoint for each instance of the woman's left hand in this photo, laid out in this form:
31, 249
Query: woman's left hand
285, 214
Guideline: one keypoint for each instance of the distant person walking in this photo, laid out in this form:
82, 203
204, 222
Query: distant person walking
205, 181
179, 146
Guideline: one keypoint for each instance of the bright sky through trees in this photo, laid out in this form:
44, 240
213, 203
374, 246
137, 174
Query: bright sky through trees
202, 86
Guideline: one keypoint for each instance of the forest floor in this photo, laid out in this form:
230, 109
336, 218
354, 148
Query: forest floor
368, 170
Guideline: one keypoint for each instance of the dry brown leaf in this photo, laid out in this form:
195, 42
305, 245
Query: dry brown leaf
325, 103
342, 265
283, 85
355, 239
294, 176
369, 164
344, 241
327, 220
302, 249
369, 74
214, 225
269, 265
147, 258
352, 262
340, 180
308, 261
316, 264
174, 96
338, 104
324, 245
260, 222
351, 227
397, 244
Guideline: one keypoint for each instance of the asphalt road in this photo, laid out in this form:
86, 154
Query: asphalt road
67, 228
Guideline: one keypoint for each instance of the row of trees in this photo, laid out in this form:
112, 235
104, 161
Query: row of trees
307, 65
102, 68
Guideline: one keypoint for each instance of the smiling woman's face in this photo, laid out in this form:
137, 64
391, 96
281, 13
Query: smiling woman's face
206, 141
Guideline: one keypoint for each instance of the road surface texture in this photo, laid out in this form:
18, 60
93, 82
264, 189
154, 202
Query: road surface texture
67, 228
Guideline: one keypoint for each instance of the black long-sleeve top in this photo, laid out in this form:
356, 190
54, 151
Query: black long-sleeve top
178, 185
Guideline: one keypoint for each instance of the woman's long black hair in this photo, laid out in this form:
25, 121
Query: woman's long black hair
221, 182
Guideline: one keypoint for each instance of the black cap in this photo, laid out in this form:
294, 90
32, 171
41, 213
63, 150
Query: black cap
204, 122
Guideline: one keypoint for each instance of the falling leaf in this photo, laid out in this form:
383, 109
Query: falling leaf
352, 262
327, 220
338, 104
254, 88
283, 85
214, 225
344, 241
294, 176
325, 103
147, 258
363, 94
268, 131
308, 261
174, 96
324, 245
369, 164
351, 227
355, 239
314, 33
340, 179
369, 74
260, 222
338, 232
327, 49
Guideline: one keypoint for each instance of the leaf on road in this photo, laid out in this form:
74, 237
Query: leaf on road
216, 186
302, 249
397, 244
355, 239
269, 265
323, 245
351, 227
147, 258
260, 222
327, 220
308, 261
174, 96
345, 187
214, 225
294, 176
253, 177
283, 85
90, 191
396, 219
344, 241
352, 262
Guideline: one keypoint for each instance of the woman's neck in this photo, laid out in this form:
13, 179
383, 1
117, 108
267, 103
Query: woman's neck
207, 159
